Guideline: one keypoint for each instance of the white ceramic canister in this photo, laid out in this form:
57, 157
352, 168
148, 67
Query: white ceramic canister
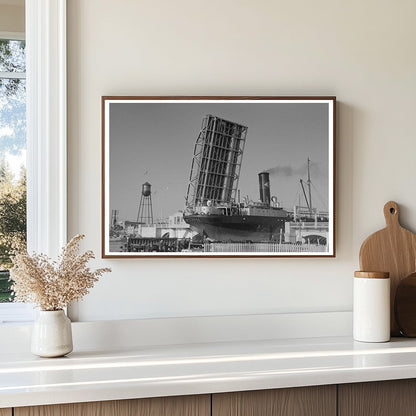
371, 309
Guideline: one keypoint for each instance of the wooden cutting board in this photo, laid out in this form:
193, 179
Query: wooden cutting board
405, 306
392, 250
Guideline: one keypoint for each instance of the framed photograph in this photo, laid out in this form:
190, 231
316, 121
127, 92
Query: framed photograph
218, 177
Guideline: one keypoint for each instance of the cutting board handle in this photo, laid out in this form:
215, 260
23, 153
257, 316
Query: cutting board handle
391, 214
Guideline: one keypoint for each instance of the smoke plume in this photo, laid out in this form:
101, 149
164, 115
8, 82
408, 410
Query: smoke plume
286, 170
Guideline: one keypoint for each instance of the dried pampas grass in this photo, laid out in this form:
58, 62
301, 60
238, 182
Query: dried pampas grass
53, 285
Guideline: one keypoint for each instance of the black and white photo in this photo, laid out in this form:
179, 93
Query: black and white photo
218, 176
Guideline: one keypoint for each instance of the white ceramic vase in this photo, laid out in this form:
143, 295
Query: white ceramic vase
52, 334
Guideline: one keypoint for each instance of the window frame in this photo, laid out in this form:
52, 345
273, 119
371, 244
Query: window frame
46, 121
46, 125
12, 35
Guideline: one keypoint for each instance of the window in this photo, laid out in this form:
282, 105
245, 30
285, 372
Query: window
46, 136
12, 155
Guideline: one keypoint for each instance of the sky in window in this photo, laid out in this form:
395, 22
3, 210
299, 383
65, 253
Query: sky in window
13, 104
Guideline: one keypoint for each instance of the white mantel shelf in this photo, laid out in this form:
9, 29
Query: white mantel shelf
148, 371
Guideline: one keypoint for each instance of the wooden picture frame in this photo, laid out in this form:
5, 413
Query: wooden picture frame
179, 176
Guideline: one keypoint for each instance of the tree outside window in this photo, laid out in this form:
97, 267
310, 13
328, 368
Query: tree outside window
12, 156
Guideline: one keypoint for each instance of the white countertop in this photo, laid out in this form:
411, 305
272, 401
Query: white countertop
148, 371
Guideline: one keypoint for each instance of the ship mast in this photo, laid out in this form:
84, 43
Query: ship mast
309, 185
308, 182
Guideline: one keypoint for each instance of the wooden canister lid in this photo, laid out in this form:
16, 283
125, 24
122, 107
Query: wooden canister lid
372, 275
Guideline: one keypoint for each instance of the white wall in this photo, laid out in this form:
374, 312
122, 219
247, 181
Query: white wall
12, 17
361, 51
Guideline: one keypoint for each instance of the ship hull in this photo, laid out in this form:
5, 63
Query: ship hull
237, 228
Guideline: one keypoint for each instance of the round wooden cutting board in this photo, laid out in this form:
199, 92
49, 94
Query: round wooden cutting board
405, 306
392, 250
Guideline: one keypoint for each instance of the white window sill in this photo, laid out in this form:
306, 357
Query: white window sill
16, 313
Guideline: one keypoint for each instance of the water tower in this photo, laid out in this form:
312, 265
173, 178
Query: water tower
145, 213
114, 217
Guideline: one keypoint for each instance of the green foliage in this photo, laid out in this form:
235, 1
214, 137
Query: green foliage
12, 143
12, 97
12, 214
12, 55
5, 290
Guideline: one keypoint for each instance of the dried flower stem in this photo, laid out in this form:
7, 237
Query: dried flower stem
53, 285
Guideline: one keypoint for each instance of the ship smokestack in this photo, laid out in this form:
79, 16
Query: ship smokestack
264, 186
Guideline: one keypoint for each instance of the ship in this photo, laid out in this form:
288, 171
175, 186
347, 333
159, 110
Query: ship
213, 205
